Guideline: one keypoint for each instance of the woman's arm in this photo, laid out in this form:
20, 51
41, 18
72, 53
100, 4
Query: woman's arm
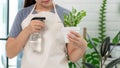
15, 45
76, 46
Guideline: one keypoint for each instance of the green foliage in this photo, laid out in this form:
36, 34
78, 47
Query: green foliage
93, 43
72, 65
94, 58
102, 19
116, 39
73, 18
105, 46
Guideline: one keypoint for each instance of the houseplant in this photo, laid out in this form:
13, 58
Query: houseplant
73, 18
102, 21
70, 22
94, 57
103, 53
97, 58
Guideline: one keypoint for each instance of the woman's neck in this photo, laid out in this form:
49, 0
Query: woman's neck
43, 8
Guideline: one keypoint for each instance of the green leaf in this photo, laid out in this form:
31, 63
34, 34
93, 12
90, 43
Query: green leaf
96, 40
88, 55
74, 17
116, 39
104, 47
90, 45
94, 54
89, 59
74, 10
95, 62
92, 42
102, 19
72, 65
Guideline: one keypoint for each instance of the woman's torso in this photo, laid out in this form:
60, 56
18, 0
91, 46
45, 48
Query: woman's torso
53, 54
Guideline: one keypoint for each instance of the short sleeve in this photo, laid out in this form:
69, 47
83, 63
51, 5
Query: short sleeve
61, 11
21, 15
16, 27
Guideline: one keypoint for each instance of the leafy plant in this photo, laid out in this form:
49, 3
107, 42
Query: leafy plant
93, 57
94, 43
74, 17
102, 24
116, 39
72, 65
102, 54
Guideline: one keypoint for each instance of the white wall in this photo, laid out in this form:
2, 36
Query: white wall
92, 7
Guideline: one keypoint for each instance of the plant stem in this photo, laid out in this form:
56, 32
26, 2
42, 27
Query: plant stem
83, 61
101, 64
84, 35
93, 44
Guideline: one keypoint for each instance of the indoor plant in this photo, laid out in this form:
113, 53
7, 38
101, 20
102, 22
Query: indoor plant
70, 22
73, 18
104, 53
95, 57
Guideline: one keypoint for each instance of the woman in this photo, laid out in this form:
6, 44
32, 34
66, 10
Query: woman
52, 54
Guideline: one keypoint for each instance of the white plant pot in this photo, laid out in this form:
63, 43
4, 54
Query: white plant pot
67, 30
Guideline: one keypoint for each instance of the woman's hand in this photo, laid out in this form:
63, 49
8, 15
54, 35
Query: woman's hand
76, 39
35, 26
76, 46
11, 48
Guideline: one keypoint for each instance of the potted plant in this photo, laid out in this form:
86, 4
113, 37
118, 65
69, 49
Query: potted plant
72, 20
